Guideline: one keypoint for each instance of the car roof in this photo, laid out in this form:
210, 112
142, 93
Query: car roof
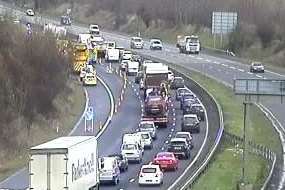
177, 139
190, 115
136, 37
150, 166
163, 153
200, 105
184, 133
147, 122
155, 39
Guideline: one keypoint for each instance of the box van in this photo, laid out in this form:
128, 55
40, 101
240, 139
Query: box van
133, 68
109, 170
132, 138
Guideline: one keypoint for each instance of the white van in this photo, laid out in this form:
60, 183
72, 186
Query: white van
83, 38
112, 55
133, 68
109, 170
94, 29
146, 139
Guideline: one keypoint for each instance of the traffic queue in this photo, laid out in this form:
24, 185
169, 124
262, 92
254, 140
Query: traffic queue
158, 88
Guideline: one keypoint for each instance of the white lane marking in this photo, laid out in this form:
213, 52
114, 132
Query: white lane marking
216, 62
224, 65
241, 70
132, 180
233, 68
199, 58
192, 56
250, 73
166, 142
259, 76
172, 130
280, 75
209, 61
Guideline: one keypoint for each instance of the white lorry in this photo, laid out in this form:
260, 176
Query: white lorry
132, 68
188, 44
112, 55
65, 163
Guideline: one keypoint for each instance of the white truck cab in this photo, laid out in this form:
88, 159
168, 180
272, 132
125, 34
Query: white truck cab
193, 45
132, 68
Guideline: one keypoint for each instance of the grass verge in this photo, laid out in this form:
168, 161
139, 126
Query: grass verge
69, 107
225, 170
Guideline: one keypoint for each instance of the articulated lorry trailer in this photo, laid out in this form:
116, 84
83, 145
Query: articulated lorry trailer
66, 163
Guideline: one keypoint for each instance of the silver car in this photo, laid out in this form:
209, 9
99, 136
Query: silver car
148, 126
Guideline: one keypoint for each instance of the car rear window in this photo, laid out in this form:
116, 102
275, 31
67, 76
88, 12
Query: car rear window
147, 126
149, 170
129, 146
177, 143
164, 155
190, 119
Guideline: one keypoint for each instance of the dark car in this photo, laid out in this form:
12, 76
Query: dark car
186, 106
180, 91
122, 161
138, 77
190, 123
178, 82
198, 110
180, 147
187, 96
185, 135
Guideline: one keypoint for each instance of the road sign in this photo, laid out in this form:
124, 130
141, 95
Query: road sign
224, 22
263, 87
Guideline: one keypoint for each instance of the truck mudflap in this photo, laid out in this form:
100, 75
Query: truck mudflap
161, 121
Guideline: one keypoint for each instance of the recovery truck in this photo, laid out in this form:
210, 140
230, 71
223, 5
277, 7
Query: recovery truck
156, 94
188, 44
65, 163
80, 56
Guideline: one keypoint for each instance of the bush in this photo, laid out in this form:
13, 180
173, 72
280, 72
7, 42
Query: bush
32, 74
265, 31
242, 37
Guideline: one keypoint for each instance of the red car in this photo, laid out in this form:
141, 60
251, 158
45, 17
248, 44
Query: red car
166, 160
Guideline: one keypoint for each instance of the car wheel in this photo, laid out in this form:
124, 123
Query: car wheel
116, 181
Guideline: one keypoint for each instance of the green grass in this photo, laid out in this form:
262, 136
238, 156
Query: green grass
225, 171
69, 107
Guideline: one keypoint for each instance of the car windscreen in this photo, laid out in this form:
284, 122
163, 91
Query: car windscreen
129, 147
257, 64
156, 42
178, 80
149, 170
137, 40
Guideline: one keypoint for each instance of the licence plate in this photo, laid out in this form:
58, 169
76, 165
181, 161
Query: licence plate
148, 180
177, 148
163, 166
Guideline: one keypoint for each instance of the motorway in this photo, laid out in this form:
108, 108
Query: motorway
224, 70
